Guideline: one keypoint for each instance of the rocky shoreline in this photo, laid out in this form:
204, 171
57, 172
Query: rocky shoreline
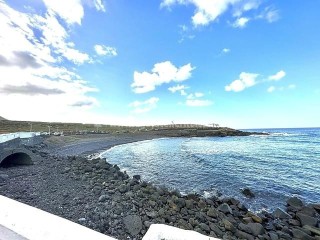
100, 196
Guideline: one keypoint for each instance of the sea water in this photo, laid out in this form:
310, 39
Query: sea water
283, 164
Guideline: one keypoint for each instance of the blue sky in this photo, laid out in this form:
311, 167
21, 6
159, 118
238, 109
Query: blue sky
238, 63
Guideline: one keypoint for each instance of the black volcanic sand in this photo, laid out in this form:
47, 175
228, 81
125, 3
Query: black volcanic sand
100, 196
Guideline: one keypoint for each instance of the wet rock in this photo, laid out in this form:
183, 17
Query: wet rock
247, 219
254, 217
278, 213
133, 224
301, 235
295, 202
225, 208
294, 222
307, 220
256, 228
248, 193
189, 204
310, 211
136, 177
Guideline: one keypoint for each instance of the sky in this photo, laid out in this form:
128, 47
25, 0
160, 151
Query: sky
236, 63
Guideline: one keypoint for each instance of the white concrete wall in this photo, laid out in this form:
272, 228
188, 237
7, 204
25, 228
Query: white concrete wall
10, 136
35, 224
161, 231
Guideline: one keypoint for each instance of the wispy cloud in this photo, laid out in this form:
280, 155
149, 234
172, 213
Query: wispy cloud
164, 72
103, 50
272, 89
196, 100
144, 106
179, 88
207, 12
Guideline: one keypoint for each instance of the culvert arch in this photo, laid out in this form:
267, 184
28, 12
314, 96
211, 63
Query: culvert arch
14, 157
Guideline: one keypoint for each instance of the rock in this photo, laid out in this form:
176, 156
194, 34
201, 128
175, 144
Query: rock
189, 204
228, 225
295, 202
216, 229
307, 220
301, 235
278, 213
137, 177
151, 214
314, 230
184, 224
82, 220
256, 228
3, 177
310, 211
147, 224
225, 208
243, 235
273, 236
316, 207
212, 212
294, 222
133, 224
204, 227
123, 188
247, 219
103, 198
248, 193
255, 217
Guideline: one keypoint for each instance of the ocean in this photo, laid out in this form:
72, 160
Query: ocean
275, 167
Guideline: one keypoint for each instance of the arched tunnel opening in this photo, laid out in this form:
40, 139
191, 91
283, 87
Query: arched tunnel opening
15, 159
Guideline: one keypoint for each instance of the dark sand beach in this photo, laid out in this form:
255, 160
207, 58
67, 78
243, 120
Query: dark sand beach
100, 196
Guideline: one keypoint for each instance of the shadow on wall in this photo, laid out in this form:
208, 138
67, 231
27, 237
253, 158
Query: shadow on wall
15, 159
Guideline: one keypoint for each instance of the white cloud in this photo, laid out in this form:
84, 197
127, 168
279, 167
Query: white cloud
144, 106
278, 76
179, 88
71, 10
99, 5
271, 89
245, 80
240, 22
105, 50
208, 11
164, 72
198, 103
226, 50
33, 83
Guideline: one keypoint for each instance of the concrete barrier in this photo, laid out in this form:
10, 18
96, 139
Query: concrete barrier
161, 231
20, 221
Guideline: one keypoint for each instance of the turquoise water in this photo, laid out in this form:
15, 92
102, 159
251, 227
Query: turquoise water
275, 167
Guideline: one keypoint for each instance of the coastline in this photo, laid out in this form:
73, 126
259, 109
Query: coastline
102, 197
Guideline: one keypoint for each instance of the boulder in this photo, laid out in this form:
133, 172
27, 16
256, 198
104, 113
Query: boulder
295, 202
278, 213
243, 235
204, 227
248, 193
103, 198
216, 229
256, 228
310, 211
212, 212
300, 234
307, 220
228, 225
314, 230
225, 208
133, 224
123, 188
